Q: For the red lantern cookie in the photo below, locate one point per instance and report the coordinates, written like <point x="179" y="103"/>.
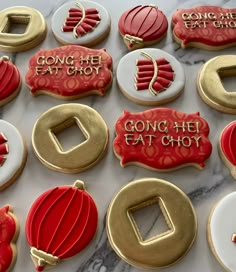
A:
<point x="81" y="22"/>
<point x="162" y="139"/>
<point x="10" y="80"/>
<point x="207" y="27"/>
<point x="227" y="147"/>
<point x="72" y="216"/>
<point x="70" y="72"/>
<point x="142" y="25"/>
<point x="8" y="234"/>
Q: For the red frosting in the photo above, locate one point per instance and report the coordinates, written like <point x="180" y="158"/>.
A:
<point x="145" y="22"/>
<point x="162" y="138"/>
<point x="9" y="79"/>
<point x="228" y="142"/>
<point x="3" y="148"/>
<point x="7" y="233"/>
<point x="70" y="71"/>
<point x="72" y="216"/>
<point x="208" y="25"/>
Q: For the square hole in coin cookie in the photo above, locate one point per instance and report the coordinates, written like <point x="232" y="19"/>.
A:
<point x="228" y="78"/>
<point x="69" y="134"/>
<point x="16" y="24"/>
<point x="150" y="219"/>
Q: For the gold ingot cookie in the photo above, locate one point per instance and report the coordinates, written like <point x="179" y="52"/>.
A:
<point x="48" y="148"/>
<point x="161" y="250"/>
<point x="35" y="30"/>
<point x="210" y="86"/>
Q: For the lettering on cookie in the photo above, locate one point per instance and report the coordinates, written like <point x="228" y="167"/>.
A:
<point x="162" y="139"/>
<point x="3" y="149"/>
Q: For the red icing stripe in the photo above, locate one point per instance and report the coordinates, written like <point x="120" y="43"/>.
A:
<point x="228" y="142"/>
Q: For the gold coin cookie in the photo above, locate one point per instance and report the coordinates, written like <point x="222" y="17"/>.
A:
<point x="36" y="29"/>
<point x="163" y="249"/>
<point x="78" y="158"/>
<point x="210" y="86"/>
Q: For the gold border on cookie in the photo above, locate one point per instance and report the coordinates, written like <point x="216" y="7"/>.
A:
<point x="80" y="157"/>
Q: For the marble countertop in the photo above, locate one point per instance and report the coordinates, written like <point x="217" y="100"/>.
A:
<point x="204" y="187"/>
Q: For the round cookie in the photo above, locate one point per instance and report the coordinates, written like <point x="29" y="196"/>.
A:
<point x="83" y="22"/>
<point x="12" y="154"/>
<point x="124" y="235"/>
<point x="48" y="148"/>
<point x="72" y="216"/>
<point x="35" y="32"/>
<point x="150" y="77"/>
<point x="9" y="230"/>
<point x="210" y="87"/>
<point x="142" y="25"/>
<point x="10" y="80"/>
<point x="221" y="232"/>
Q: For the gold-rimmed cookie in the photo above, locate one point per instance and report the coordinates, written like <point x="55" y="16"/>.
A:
<point x="48" y="148"/>
<point x="36" y="28"/>
<point x="163" y="249"/>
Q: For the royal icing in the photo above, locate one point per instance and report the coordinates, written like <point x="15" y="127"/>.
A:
<point x="227" y="147"/>
<point x="142" y="24"/>
<point x="150" y="76"/>
<point x="8" y="230"/>
<point x="81" y="22"/>
<point x="162" y="139"/>
<point x="9" y="80"/>
<point x="13" y="155"/>
<point x="69" y="72"/>
<point x="210" y="86"/>
<point x="221" y="232"/>
<point x="72" y="216"/>
<point x="210" y="27"/>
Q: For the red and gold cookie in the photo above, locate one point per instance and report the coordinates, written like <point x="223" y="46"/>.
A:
<point x="142" y="25"/>
<point x="86" y="154"/>
<point x="227" y="147"/>
<point x="207" y="27"/>
<point x="70" y="72"/>
<point x="81" y="22"/>
<point x="9" y="230"/>
<point x="163" y="249"/>
<point x="72" y="216"/>
<point x="10" y="80"/>
<point x="162" y="139"/>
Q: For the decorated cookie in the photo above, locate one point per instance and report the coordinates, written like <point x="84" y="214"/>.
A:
<point x="50" y="152"/>
<point x="221" y="232"/>
<point x="10" y="80"/>
<point x="227" y="147"/>
<point x="12" y="154"/>
<point x="70" y="72"/>
<point x="36" y="29"/>
<point x="210" y="86"/>
<point x="72" y="216"/>
<point x="142" y="25"/>
<point x="81" y="22"/>
<point x="150" y="77"/>
<point x="162" y="139"/>
<point x="125" y="237"/>
<point x="9" y="229"/>
<point x="207" y="27"/>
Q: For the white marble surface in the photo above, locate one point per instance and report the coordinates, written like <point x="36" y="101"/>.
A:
<point x="204" y="187"/>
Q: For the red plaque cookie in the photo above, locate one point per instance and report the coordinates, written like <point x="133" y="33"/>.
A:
<point x="72" y="216"/>
<point x="162" y="139"/>
<point x="207" y="27"/>
<point x="10" y="81"/>
<point x="142" y="25"/>
<point x="70" y="72"/>
<point x="8" y="233"/>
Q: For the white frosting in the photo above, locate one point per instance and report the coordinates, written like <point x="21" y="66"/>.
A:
<point x="222" y="226"/>
<point x="126" y="73"/>
<point x="15" y="157"/>
<point x="60" y="15"/>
